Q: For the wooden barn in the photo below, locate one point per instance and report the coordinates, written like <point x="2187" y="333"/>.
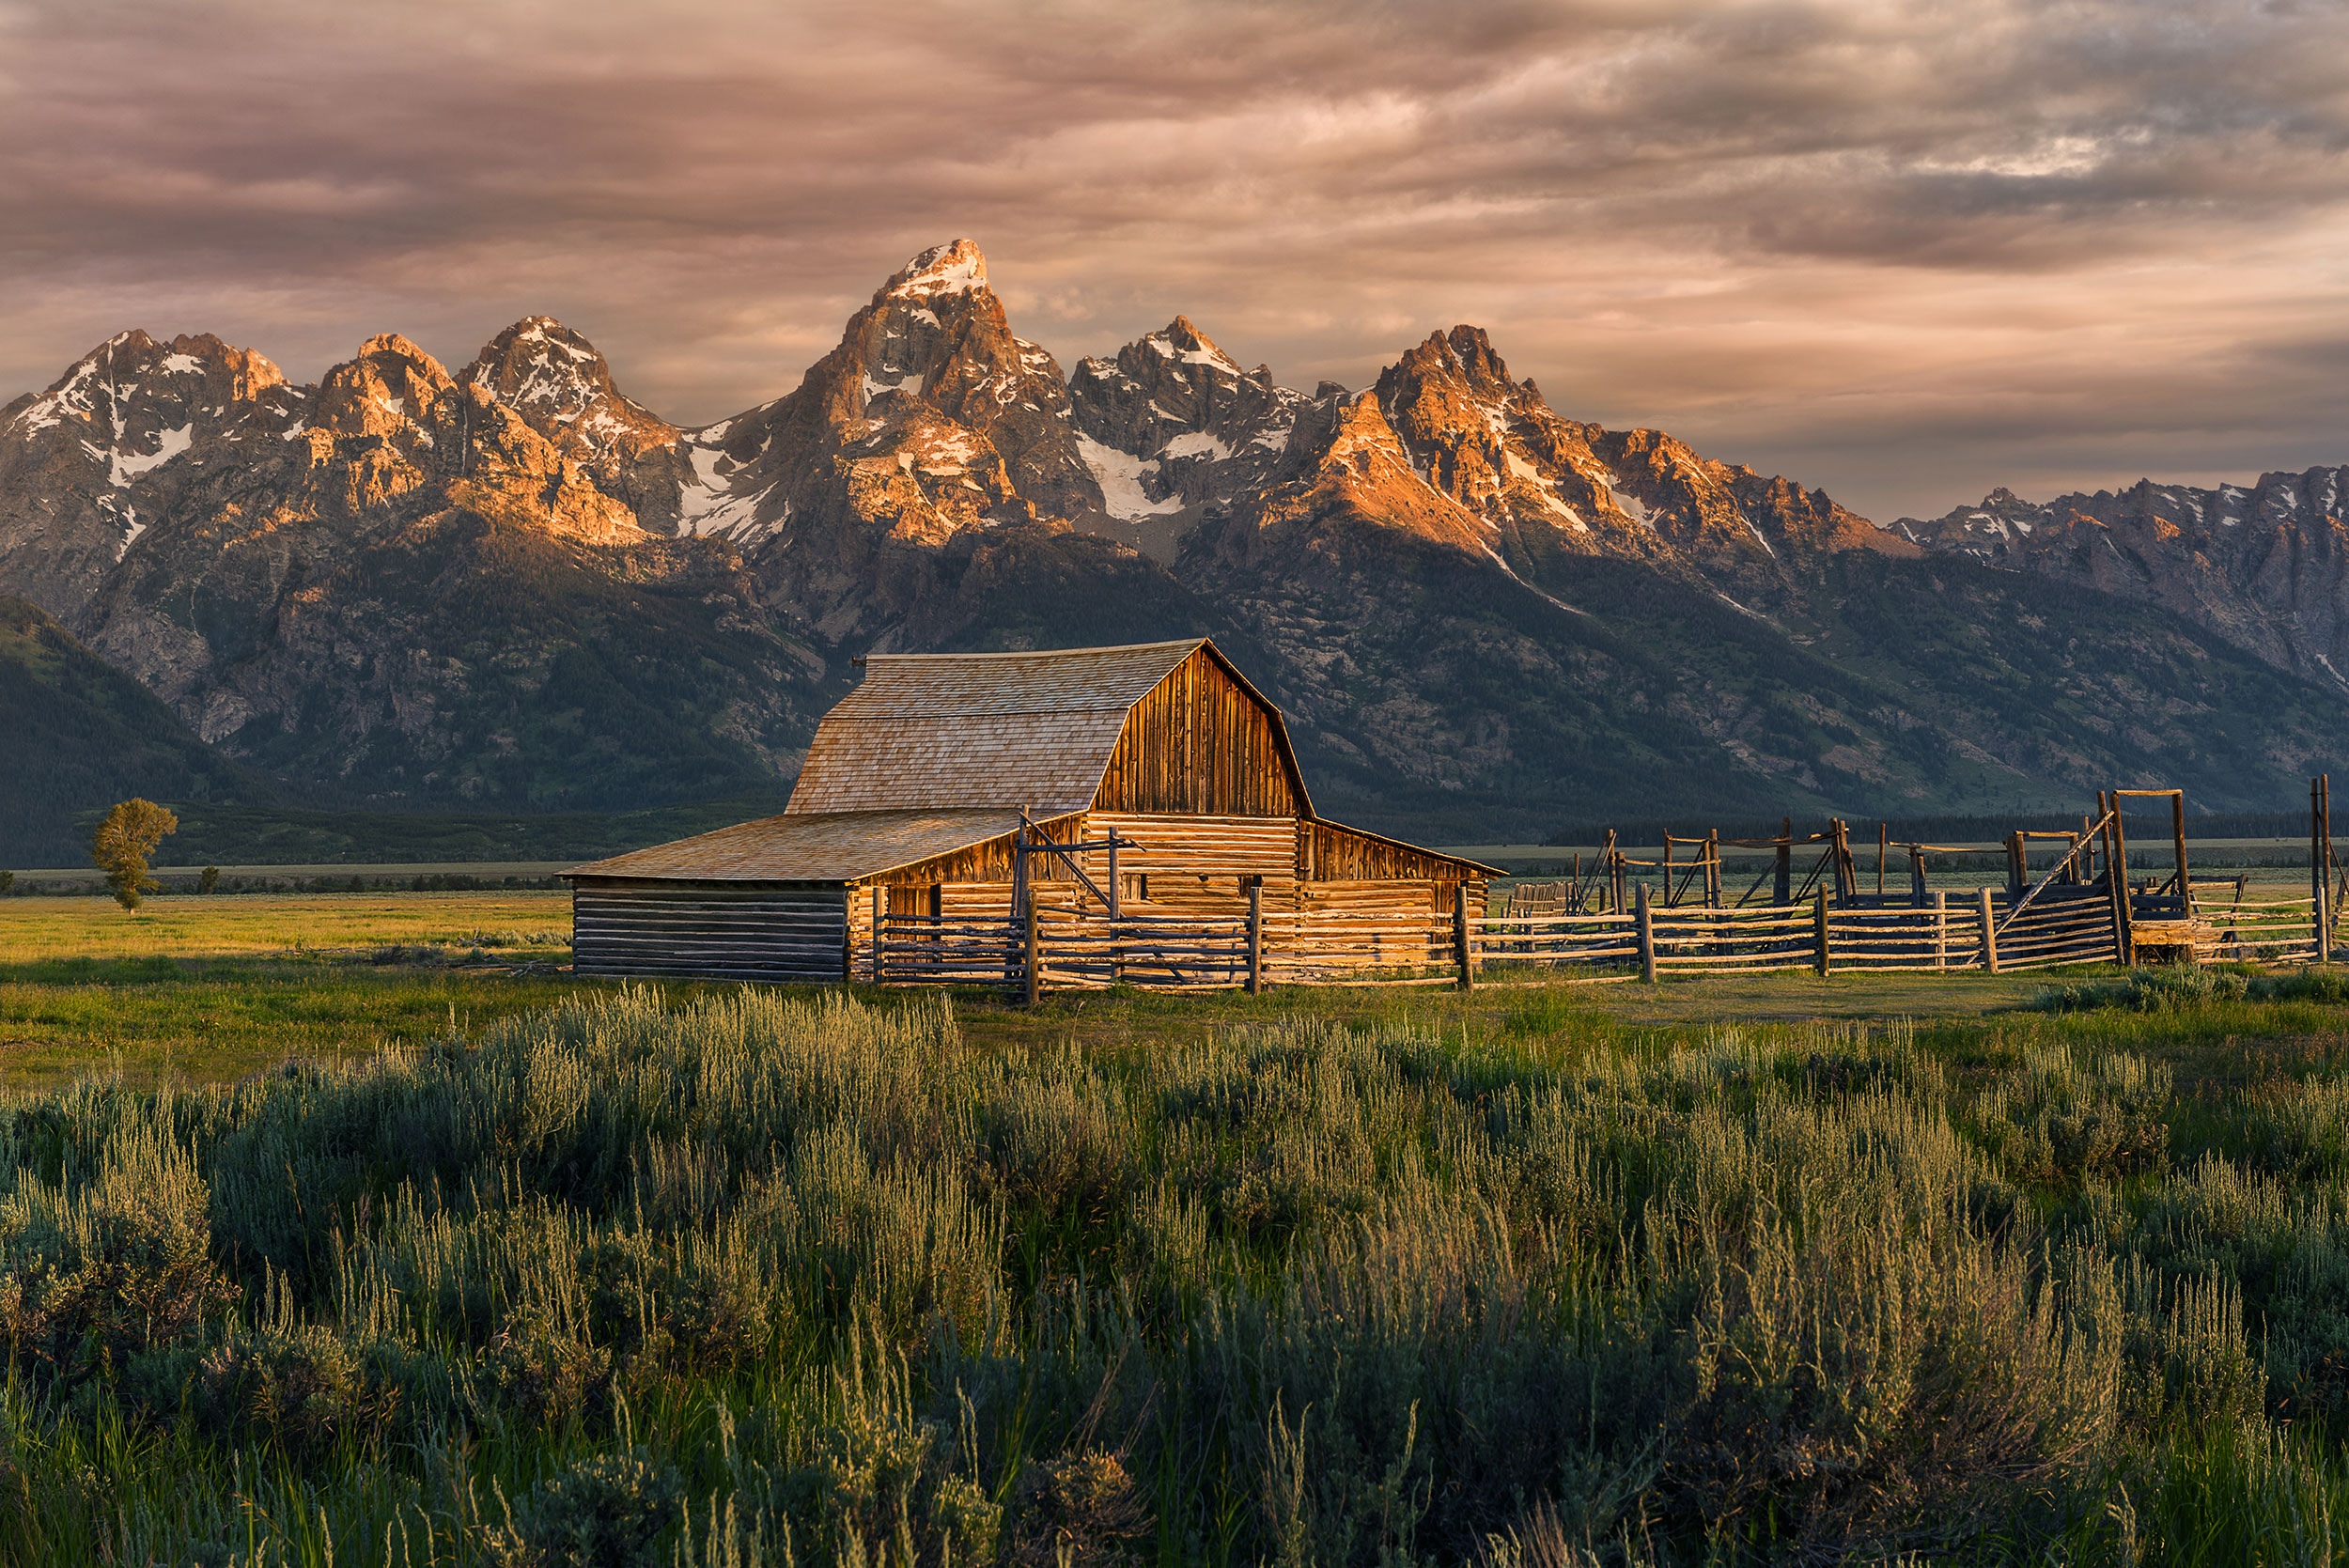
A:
<point x="922" y="785"/>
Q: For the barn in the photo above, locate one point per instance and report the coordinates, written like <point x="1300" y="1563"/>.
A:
<point x="922" y="785"/>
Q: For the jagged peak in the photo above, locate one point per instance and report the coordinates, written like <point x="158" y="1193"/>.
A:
<point x="1464" y="352"/>
<point x="1184" y="343"/>
<point x="177" y="355"/>
<point x="1470" y="343"/>
<point x="540" y="329"/>
<point x="395" y="346"/>
<point x="131" y="359"/>
<point x="133" y="338"/>
<point x="953" y="268"/>
<point x="522" y="362"/>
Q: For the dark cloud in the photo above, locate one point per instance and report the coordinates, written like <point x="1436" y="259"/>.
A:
<point x="1902" y="251"/>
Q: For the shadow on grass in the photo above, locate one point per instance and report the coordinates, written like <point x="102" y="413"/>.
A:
<point x="150" y="971"/>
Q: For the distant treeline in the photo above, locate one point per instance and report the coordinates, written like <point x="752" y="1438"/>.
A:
<point x="269" y="835"/>
<point x="168" y="886"/>
<point x="2148" y="826"/>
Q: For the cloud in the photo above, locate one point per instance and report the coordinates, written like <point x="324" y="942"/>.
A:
<point x="1904" y="251"/>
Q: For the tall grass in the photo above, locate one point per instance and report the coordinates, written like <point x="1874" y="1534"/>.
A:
<point x="761" y="1279"/>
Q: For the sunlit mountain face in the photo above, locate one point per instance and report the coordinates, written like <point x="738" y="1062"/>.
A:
<point x="515" y="584"/>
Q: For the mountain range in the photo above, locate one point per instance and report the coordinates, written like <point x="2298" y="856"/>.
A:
<point x="509" y="586"/>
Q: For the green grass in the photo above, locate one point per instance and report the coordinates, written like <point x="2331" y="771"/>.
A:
<point x="282" y="924"/>
<point x="715" y="1273"/>
<point x="212" y="989"/>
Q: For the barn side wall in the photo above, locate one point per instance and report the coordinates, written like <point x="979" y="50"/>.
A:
<point x="1185" y="863"/>
<point x="786" y="931"/>
<point x="1200" y="864"/>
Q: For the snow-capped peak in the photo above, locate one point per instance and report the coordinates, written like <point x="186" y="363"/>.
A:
<point x="955" y="267"/>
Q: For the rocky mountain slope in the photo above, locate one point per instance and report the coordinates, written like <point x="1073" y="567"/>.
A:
<point x="513" y="586"/>
<point x="83" y="735"/>
<point x="2263" y="565"/>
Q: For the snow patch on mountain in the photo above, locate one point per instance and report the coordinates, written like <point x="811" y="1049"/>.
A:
<point x="168" y="445"/>
<point x="1197" y="443"/>
<point x="909" y="384"/>
<point x="1119" y="474"/>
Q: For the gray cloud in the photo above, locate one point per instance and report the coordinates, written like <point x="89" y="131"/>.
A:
<point x="1903" y="251"/>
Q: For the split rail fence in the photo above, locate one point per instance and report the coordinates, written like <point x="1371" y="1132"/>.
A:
<point x="1068" y="949"/>
<point x="1610" y="927"/>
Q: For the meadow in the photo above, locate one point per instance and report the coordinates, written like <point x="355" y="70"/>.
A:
<point x="488" y="1265"/>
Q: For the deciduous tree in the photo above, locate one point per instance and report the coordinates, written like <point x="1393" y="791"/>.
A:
<point x="122" y="843"/>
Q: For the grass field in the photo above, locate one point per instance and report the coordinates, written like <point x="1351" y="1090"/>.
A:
<point x="37" y="930"/>
<point x="379" y="1238"/>
<point x="212" y="989"/>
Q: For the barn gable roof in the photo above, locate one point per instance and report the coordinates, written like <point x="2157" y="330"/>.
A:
<point x="839" y="847"/>
<point x="970" y="729"/>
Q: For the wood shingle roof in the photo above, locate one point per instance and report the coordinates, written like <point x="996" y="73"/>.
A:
<point x="841" y="846"/>
<point x="1033" y="730"/>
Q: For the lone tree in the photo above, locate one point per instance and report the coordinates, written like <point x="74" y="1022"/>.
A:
<point x="123" y="842"/>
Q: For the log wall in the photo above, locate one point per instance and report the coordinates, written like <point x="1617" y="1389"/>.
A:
<point x="786" y="931"/>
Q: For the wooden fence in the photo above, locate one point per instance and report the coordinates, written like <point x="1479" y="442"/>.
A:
<point x="1076" y="949"/>
<point x="2262" y="930"/>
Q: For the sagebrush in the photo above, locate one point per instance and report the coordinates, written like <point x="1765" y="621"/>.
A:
<point x="766" y="1279"/>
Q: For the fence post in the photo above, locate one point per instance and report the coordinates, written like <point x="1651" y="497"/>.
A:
<point x="1255" y="938"/>
<point x="1820" y="960"/>
<point x="1783" y="887"/>
<point x="2121" y="875"/>
<point x="1989" y="934"/>
<point x="1461" y="937"/>
<point x="878" y="907"/>
<point x="1941" y="930"/>
<point x="2324" y="833"/>
<point x="1647" y="937"/>
<point x="1035" y="950"/>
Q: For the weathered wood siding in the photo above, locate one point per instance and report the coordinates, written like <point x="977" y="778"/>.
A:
<point x="1200" y="742"/>
<point x="1328" y="853"/>
<point x="1198" y="863"/>
<point x="1376" y="897"/>
<point x="708" y="930"/>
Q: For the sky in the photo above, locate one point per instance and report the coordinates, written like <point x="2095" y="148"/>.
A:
<point x="1901" y="252"/>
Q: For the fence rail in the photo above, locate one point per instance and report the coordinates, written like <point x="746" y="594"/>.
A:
<point x="1067" y="947"/>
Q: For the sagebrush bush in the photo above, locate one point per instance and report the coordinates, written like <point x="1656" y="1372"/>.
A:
<point x="764" y="1278"/>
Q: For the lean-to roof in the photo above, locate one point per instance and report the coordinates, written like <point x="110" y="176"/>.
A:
<point x="998" y="729"/>
<point x="839" y="847"/>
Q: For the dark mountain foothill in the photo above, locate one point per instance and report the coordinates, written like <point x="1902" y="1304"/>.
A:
<point x="514" y="589"/>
